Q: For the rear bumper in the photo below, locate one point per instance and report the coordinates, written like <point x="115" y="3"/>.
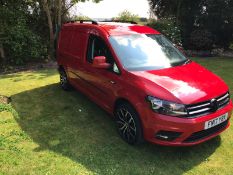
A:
<point x="185" y="132"/>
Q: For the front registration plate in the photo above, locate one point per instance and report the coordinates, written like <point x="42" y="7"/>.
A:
<point x="216" y="121"/>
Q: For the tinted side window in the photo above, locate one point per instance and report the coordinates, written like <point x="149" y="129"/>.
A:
<point x="97" y="47"/>
<point x="90" y="47"/>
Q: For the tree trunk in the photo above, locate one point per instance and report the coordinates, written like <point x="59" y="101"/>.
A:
<point x="50" y="24"/>
<point x="178" y="11"/>
<point x="59" y="13"/>
<point x="2" y="55"/>
<point x="66" y="9"/>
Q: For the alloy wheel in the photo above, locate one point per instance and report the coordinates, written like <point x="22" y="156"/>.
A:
<point x="126" y="125"/>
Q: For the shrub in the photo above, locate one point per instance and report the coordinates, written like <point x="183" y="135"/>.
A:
<point x="127" y="16"/>
<point x="168" y="28"/>
<point x="81" y="17"/>
<point x="22" y="45"/>
<point x="201" y="40"/>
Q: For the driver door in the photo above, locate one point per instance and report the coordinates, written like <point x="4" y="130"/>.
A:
<point x="103" y="83"/>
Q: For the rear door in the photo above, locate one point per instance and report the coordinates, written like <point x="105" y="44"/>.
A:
<point x="76" y="56"/>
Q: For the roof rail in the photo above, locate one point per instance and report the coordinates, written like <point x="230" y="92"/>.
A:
<point x="96" y="23"/>
<point x="82" y="21"/>
<point x="131" y="22"/>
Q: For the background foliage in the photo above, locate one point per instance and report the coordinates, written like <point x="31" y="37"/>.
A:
<point x="22" y="40"/>
<point x="209" y="21"/>
<point x="127" y="16"/>
<point x="28" y="27"/>
<point x="22" y="44"/>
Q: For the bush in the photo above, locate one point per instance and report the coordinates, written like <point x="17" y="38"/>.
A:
<point x="231" y="46"/>
<point x="168" y="28"/>
<point x="201" y="40"/>
<point x="127" y="16"/>
<point x="22" y="45"/>
<point x="81" y="17"/>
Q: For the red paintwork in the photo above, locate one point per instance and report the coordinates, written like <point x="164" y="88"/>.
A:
<point x="186" y="84"/>
<point x="124" y="29"/>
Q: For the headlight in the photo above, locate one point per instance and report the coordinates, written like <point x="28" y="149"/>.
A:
<point x="166" y="107"/>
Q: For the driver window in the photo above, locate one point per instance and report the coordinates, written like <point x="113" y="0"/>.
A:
<point x="97" y="47"/>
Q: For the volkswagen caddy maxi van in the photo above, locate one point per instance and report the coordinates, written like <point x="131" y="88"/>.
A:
<point x="133" y="72"/>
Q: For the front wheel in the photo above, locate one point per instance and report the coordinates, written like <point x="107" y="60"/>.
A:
<point x="128" y="124"/>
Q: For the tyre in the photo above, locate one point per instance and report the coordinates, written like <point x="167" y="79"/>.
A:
<point x="128" y="124"/>
<point x="64" y="81"/>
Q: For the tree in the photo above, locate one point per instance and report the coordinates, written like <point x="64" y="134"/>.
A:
<point x="2" y="52"/>
<point x="217" y="18"/>
<point x="166" y="8"/>
<point x="23" y="25"/>
<point x="214" y="17"/>
<point x="50" y="24"/>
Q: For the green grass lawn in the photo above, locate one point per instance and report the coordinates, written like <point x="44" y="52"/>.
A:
<point x="49" y="131"/>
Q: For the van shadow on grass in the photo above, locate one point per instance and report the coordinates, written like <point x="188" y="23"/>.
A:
<point x="70" y="124"/>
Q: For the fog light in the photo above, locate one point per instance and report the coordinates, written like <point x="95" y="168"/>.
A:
<point x="167" y="135"/>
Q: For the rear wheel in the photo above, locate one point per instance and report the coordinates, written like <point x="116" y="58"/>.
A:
<point x="64" y="81"/>
<point x="128" y="124"/>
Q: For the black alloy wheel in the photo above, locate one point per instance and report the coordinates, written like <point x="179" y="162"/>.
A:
<point x="128" y="124"/>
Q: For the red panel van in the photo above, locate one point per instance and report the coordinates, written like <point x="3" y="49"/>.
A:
<point x="133" y="72"/>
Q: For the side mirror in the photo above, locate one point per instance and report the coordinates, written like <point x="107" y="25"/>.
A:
<point x="100" y="62"/>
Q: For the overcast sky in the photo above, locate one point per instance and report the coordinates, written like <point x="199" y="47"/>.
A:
<point x="111" y="8"/>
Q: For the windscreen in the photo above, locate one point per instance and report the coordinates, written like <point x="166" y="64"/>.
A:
<point x="139" y="52"/>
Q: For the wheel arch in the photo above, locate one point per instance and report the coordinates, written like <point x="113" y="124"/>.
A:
<point x="122" y="100"/>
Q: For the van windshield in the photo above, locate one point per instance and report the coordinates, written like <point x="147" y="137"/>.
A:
<point x="140" y="52"/>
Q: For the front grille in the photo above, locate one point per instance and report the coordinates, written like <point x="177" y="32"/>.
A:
<point x="206" y="133"/>
<point x="207" y="107"/>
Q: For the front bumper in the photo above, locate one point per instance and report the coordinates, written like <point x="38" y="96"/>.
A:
<point x="186" y="132"/>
